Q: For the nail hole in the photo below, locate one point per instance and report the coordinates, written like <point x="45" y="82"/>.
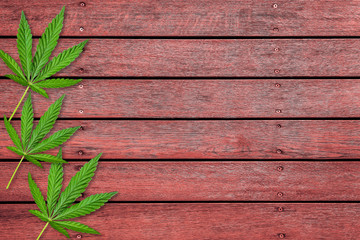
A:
<point x="278" y="125"/>
<point x="276" y="71"/>
<point x="276" y="29"/>
<point x="280" y="209"/>
<point x="280" y="194"/>
<point x="278" y="111"/>
<point x="280" y="168"/>
<point x="81" y="111"/>
<point x="81" y="86"/>
<point x="276" y="49"/>
<point x="82" y="4"/>
<point x="81" y="29"/>
<point x="281" y="235"/>
<point x="78" y="236"/>
<point x="77" y="168"/>
<point x="279" y="151"/>
<point x="81" y="70"/>
<point x="277" y="85"/>
<point x="274" y="5"/>
<point x="80" y="152"/>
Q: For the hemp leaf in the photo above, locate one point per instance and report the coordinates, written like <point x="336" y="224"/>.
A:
<point x="62" y="208"/>
<point x="32" y="142"/>
<point x="35" y="73"/>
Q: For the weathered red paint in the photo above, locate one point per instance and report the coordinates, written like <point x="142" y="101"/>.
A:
<point x="193" y="221"/>
<point x="203" y="180"/>
<point x="209" y="57"/>
<point x="204" y="98"/>
<point x="207" y="139"/>
<point x="188" y="18"/>
<point x="159" y="143"/>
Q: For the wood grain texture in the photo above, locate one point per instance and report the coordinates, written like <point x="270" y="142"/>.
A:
<point x="229" y="98"/>
<point x="166" y="53"/>
<point x="202" y="181"/>
<point x="193" y="221"/>
<point x="209" y="57"/>
<point x="218" y="139"/>
<point x="188" y="18"/>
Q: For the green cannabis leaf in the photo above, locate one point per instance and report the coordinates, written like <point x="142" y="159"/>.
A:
<point x="62" y="208"/>
<point x="32" y="142"/>
<point x="35" y="72"/>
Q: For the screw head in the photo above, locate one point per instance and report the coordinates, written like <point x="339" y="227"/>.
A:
<point x="81" y="111"/>
<point x="281" y="235"/>
<point x="278" y="111"/>
<point x="80" y="152"/>
<point x="81" y="29"/>
<point x="277" y="71"/>
<point x="78" y="236"/>
<point x="81" y="86"/>
<point x="280" y="194"/>
<point x="280" y="209"/>
<point x="277" y="85"/>
<point x="279" y="151"/>
<point x="82" y="4"/>
<point x="275" y="5"/>
<point x="280" y="168"/>
<point x="276" y="49"/>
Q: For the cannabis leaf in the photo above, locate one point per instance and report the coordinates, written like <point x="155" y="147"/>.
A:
<point x="32" y="142"/>
<point x="35" y="70"/>
<point x="62" y="208"/>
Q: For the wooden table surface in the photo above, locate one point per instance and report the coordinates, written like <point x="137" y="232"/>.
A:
<point x="231" y="119"/>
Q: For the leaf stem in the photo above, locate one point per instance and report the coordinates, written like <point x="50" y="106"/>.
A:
<point x="42" y="231"/>
<point x="22" y="98"/>
<point x="7" y="187"/>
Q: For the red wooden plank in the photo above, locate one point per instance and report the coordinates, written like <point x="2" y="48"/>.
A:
<point x="218" y="139"/>
<point x="202" y="181"/>
<point x="193" y="221"/>
<point x="209" y="57"/>
<point x="197" y="98"/>
<point x="188" y="18"/>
